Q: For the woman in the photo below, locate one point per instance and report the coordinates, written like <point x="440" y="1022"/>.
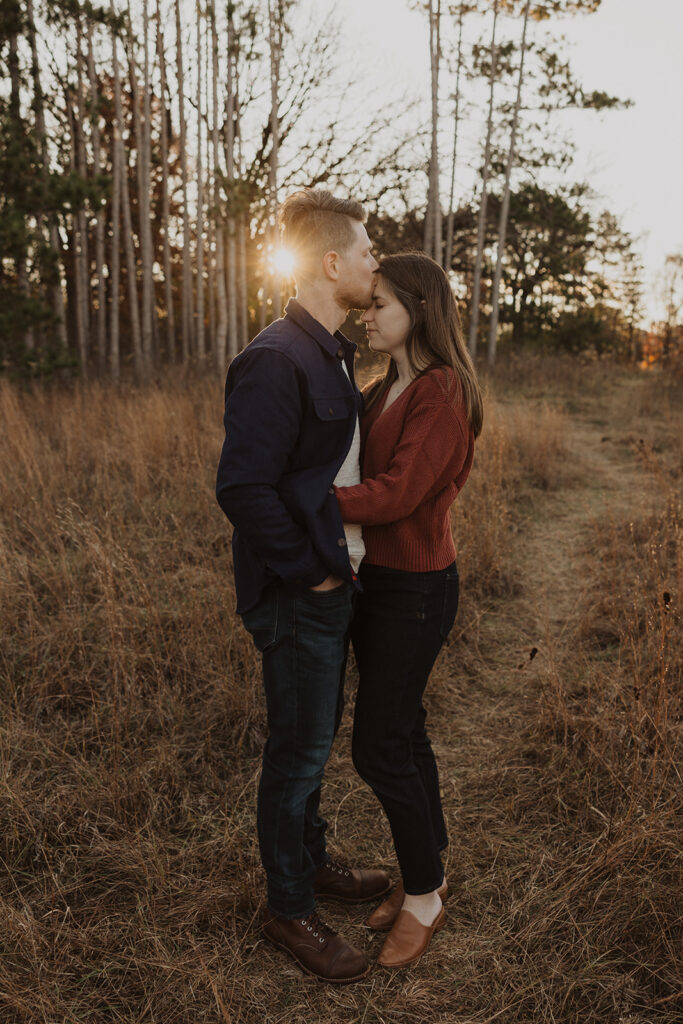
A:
<point x="418" y="433"/>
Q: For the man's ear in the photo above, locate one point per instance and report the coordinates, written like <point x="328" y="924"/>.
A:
<point x="331" y="265"/>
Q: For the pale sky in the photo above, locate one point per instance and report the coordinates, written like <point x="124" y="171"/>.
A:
<point x="629" y="48"/>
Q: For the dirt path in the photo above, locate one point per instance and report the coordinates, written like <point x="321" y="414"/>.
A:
<point x="524" y="637"/>
<point x="604" y="477"/>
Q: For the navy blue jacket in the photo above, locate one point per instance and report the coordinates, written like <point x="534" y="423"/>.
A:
<point x="290" y="414"/>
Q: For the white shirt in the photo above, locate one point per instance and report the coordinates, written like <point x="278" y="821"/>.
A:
<point x="348" y="475"/>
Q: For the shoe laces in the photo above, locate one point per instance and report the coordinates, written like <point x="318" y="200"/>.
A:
<point x="338" y="867"/>
<point x="318" y="928"/>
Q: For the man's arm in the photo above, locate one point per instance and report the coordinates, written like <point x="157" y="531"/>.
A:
<point x="263" y="412"/>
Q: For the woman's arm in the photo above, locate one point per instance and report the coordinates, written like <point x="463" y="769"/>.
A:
<point x="432" y="450"/>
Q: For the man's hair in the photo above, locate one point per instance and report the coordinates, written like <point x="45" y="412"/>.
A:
<point x="314" y="222"/>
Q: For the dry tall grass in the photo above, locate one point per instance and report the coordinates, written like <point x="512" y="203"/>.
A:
<point x="132" y="724"/>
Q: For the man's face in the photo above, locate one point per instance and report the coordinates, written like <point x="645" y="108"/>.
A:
<point x="356" y="271"/>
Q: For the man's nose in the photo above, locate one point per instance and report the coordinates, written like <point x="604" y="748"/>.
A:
<point x="365" y="316"/>
<point x="375" y="264"/>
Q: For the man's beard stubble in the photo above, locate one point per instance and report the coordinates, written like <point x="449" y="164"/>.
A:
<point x="355" y="299"/>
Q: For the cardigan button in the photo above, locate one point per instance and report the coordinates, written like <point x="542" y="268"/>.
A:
<point x="331" y="411"/>
<point x="341" y="543"/>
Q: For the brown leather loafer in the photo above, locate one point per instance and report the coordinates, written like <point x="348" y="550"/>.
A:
<point x="408" y="939"/>
<point x="317" y="949"/>
<point x="351" y="885"/>
<point x="383" y="917"/>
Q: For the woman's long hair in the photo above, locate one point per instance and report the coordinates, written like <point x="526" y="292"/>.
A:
<point x="435" y="336"/>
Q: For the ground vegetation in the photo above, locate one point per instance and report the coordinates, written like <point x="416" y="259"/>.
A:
<point x="131" y="720"/>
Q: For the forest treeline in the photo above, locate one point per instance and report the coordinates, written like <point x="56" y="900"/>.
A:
<point x="145" y="146"/>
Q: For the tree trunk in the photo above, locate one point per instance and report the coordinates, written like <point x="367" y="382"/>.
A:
<point x="428" y="240"/>
<point x="505" y="205"/>
<point x="143" y="370"/>
<point x="481" y="228"/>
<point x="15" y="78"/>
<point x="245" y="235"/>
<point x="115" y="258"/>
<point x="433" y="229"/>
<point x="165" y="115"/>
<point x="519" y="318"/>
<point x="448" y="253"/>
<point x="58" y="289"/>
<point x="243" y="228"/>
<point x="77" y="242"/>
<point x="100" y="217"/>
<point x="131" y="269"/>
<point x="55" y="286"/>
<point x="211" y="256"/>
<point x="275" y="23"/>
<point x="201" y="348"/>
<point x="143" y="146"/>
<point x="21" y="255"/>
<point x="233" y="345"/>
<point x="221" y="301"/>
<point x="210" y="217"/>
<point x="148" y="296"/>
<point x="187" y="304"/>
<point x="129" y="241"/>
<point x="438" y="226"/>
<point x="82" y="254"/>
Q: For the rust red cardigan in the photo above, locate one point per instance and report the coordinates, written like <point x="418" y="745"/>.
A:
<point x="416" y="457"/>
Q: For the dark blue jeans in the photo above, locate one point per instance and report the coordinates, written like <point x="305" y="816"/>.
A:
<point x="401" y="620"/>
<point x="303" y="638"/>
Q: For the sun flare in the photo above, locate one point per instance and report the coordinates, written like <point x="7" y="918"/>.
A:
<point x="283" y="262"/>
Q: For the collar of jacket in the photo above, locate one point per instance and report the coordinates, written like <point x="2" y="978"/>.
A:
<point x="330" y="342"/>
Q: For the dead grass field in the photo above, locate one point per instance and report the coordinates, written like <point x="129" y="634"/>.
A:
<point x="131" y="722"/>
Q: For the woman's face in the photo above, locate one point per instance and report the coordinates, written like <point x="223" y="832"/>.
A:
<point x="387" y="321"/>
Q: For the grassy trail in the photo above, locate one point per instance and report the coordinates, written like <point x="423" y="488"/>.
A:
<point x="601" y="478"/>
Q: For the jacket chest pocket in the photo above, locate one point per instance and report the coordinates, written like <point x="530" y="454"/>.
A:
<point x="333" y="409"/>
<point x="325" y="433"/>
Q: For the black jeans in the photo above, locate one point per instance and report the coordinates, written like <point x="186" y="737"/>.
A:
<point x="400" y="623"/>
<point x="303" y="638"/>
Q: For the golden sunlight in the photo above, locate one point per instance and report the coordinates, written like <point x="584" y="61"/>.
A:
<point x="283" y="262"/>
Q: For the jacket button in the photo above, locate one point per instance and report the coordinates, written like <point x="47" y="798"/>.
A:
<point x="331" y="490"/>
<point x="331" y="411"/>
<point x="340" y="353"/>
<point x="341" y="543"/>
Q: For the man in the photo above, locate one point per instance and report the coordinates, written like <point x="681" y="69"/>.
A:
<point x="291" y="426"/>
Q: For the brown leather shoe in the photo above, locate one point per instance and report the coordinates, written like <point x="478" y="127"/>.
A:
<point x="317" y="949"/>
<point x="408" y="939"/>
<point x="351" y="885"/>
<point x="383" y="917"/>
